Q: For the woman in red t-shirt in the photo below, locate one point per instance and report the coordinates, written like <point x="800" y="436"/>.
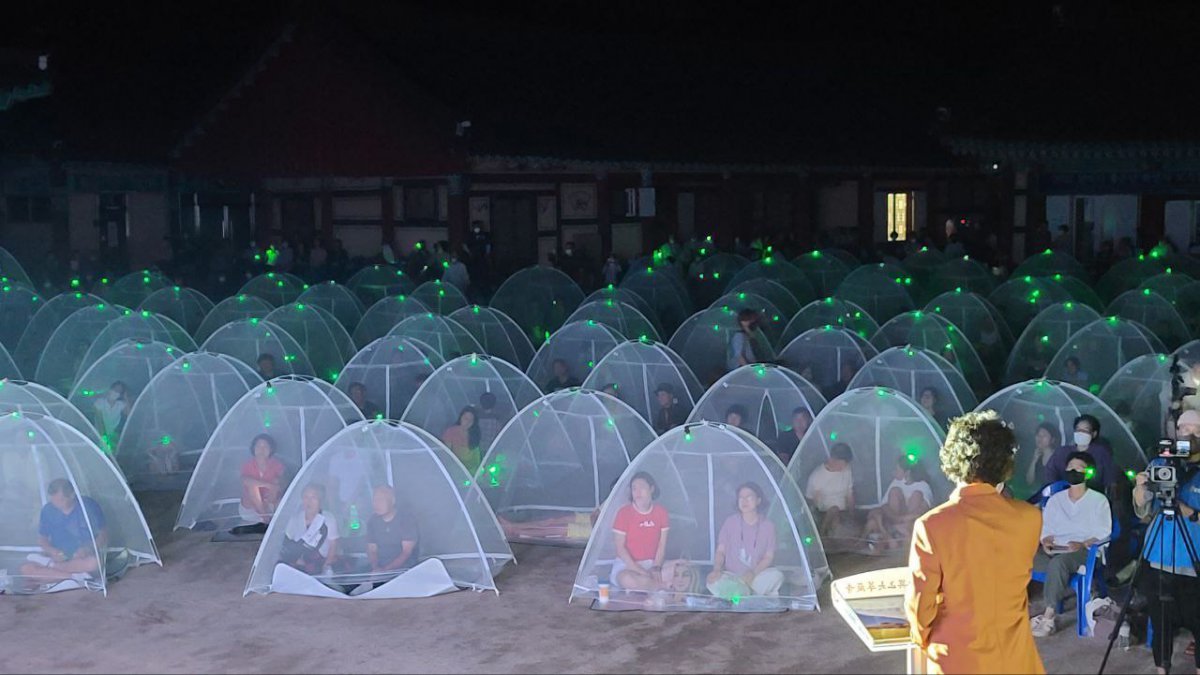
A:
<point x="262" y="482"/>
<point x="640" y="534"/>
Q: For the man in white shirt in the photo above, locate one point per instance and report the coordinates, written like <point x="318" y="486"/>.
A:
<point x="830" y="489"/>
<point x="1072" y="520"/>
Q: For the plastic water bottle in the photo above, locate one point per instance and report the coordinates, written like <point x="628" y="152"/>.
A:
<point x="1123" y="636"/>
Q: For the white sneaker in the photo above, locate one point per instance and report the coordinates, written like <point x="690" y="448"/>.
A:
<point x="1043" y="626"/>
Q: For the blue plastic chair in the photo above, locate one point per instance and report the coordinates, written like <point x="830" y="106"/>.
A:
<point x="1093" y="569"/>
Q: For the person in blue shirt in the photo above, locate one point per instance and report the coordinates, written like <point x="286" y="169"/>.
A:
<point x="1167" y="552"/>
<point x="71" y="531"/>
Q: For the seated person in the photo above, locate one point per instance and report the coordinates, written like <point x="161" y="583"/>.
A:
<point x="463" y="439"/>
<point x="1046" y="440"/>
<point x="735" y="416"/>
<point x="266" y="366"/>
<point x="562" y="377"/>
<point x="745" y="550"/>
<point x="1072" y="520"/>
<point x="785" y="446"/>
<point x="163" y="454"/>
<point x="667" y="414"/>
<point x="929" y="400"/>
<point x="391" y="538"/>
<point x="488" y="420"/>
<point x="907" y="498"/>
<point x="640" y="537"/>
<point x="358" y="394"/>
<point x="1074" y="374"/>
<point x="1086" y="439"/>
<point x="262" y="486"/>
<point x="111" y="410"/>
<point x="310" y="541"/>
<point x="71" y="530"/>
<point x="830" y="488"/>
<point x="611" y="390"/>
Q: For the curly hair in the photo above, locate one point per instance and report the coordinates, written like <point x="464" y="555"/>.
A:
<point x="979" y="448"/>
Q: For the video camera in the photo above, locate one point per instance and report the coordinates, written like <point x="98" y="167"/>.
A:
<point x="1163" y="479"/>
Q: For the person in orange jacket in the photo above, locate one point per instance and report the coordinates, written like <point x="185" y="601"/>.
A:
<point x="971" y="559"/>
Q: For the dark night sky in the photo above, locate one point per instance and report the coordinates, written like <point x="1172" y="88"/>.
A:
<point x="761" y="79"/>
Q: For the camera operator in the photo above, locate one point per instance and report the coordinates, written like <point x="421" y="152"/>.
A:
<point x="1169" y="559"/>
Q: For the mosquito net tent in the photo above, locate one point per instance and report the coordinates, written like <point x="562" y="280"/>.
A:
<point x="322" y="339"/>
<point x="1171" y="285"/>
<point x="962" y="273"/>
<point x="440" y="298"/>
<point x="8" y="367"/>
<point x="709" y="276"/>
<point x="1140" y="394"/>
<point x="621" y="317"/>
<point x="465" y="403"/>
<point x="1153" y="312"/>
<point x="1128" y="274"/>
<point x="927" y="378"/>
<point x="385" y="315"/>
<point x="232" y="309"/>
<point x="628" y="297"/>
<point x="923" y="264"/>
<point x="1043" y="337"/>
<point x="552" y="466"/>
<point x="288" y="418"/>
<point x="18" y="305"/>
<point x="1078" y="290"/>
<point x="277" y="288"/>
<point x="12" y="269"/>
<point x="261" y="345"/>
<point x="1021" y="298"/>
<point x="131" y="289"/>
<point x="382" y="510"/>
<point x="106" y="390"/>
<point x="778" y="270"/>
<point x="982" y="325"/>
<point x="828" y="357"/>
<point x="566" y="358"/>
<point x="825" y="272"/>
<point x="663" y="291"/>
<point x="539" y="299"/>
<point x="881" y="295"/>
<point x="717" y="501"/>
<point x="64" y="352"/>
<point x="447" y="337"/>
<point x="1188" y="305"/>
<point x="771" y="402"/>
<point x="185" y="306"/>
<point x="1090" y="357"/>
<point x="649" y="377"/>
<point x="43" y="324"/>
<point x="376" y="282"/>
<point x="1050" y="262"/>
<point x="389" y="371"/>
<point x="887" y="443"/>
<point x="171" y="421"/>
<point x="1042" y="414"/>
<point x="932" y="331"/>
<point x="1189" y="353"/>
<point x="57" y="486"/>
<point x="21" y="396"/>
<point x="142" y="326"/>
<point x="338" y="300"/>
<point x="704" y="340"/>
<point x="830" y="312"/>
<point x="497" y="334"/>
<point x="771" y="319"/>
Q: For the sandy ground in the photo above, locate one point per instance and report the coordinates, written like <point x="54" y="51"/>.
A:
<point x="190" y="616"/>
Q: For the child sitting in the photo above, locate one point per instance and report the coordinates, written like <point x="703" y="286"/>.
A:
<point x="830" y="488"/>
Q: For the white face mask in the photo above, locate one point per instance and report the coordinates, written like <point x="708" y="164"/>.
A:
<point x="1082" y="439"/>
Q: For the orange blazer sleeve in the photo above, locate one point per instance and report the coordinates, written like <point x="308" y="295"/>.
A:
<point x="921" y="603"/>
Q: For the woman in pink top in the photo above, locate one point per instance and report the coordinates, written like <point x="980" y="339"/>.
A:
<point x="745" y="550"/>
<point x="262" y="485"/>
<point x="463" y="439"/>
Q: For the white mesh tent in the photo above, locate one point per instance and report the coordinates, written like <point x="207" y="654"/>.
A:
<point x="232" y="309"/>
<point x="965" y="273"/>
<point x="298" y="414"/>
<point x="385" y="315"/>
<point x="458" y="543"/>
<point x="982" y="325"/>
<point x="41" y="327"/>
<point x="1188" y="305"/>
<point x="637" y="370"/>
<point x="185" y="306"/>
<point x="621" y="317"/>
<point x="825" y="272"/>
<point x="1140" y="394"/>
<point x="338" y="300"/>
<point x="663" y="290"/>
<point x="767" y="398"/>
<point x="247" y="340"/>
<point x="553" y="464"/>
<point x="376" y="282"/>
<point x="322" y="339"/>
<point x="47" y="465"/>
<point x="830" y="311"/>
<point x="12" y="270"/>
<point x="772" y="290"/>
<point x="539" y="299"/>
<point x="883" y="429"/>
<point x="775" y="268"/>
<point x="922" y="264"/>
<point x="1130" y="273"/>
<point x="1171" y="285"/>
<point x="698" y="473"/>
<point x="131" y="364"/>
<point x="496" y="333"/>
<point x="1078" y="290"/>
<point x="8" y="367"/>
<point x="703" y="343"/>
<point x="21" y="396"/>
<point x="1043" y="337"/>
<point x="1188" y="353"/>
<point x="493" y="389"/>
<point x="709" y="274"/>
<point x="18" y="305"/>
<point x="771" y="319"/>
<point x="915" y="371"/>
<point x="1050" y="262"/>
<point x="64" y="352"/>
<point x="1020" y="299"/>
<point x="171" y="421"/>
<point x="1026" y="405"/>
<point x="1153" y="312"/>
<point x="141" y="326"/>
<point x="277" y="288"/>
<point x="1090" y="357"/>
<point x="390" y="369"/>
<point x="828" y="357"/>
<point x="440" y="298"/>
<point x="845" y="256"/>
<point x="932" y="331"/>
<point x="447" y="337"/>
<point x="880" y="294"/>
<point x="579" y="346"/>
<point x="131" y="289"/>
<point x="625" y="296"/>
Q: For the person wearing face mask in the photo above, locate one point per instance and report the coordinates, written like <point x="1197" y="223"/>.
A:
<point x="1072" y="520"/>
<point x="1085" y="438"/>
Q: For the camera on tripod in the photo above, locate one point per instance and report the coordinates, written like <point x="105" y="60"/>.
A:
<point x="1164" y="478"/>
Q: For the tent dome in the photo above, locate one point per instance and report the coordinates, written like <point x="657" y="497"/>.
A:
<point x="496" y="333"/>
<point x="232" y="309"/>
<point x="915" y="371"/>
<point x="391" y="369"/>
<point x="828" y="357"/>
<point x="539" y="299"/>
<point x="249" y="339"/>
<point x="579" y="345"/>
<point x="635" y="371"/>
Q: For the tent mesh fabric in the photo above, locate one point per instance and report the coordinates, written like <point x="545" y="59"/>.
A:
<point x="982" y="325"/>
<point x="336" y="299"/>
<point x="106" y="390"/>
<point x="1043" y="337"/>
<point x="1155" y="313"/>
<point x="621" y="317"/>
<point x="247" y="340"/>
<point x="828" y="357"/>
<point x="934" y="332"/>
<point x="18" y="305"/>
<point x="142" y="326"/>
<point x="881" y="295"/>
<point x="919" y="373"/>
<point x="232" y="309"/>
<point x="1140" y="394"/>
<point x="1050" y="262"/>
<point x="64" y="352"/>
<point x="11" y="268"/>
<point x="497" y="334"/>
<point x="1091" y="356"/>
<point x="277" y="288"/>
<point x="21" y="396"/>
<point x="391" y="369"/>
<point x="131" y="289"/>
<point x="709" y="275"/>
<point x="824" y="272"/>
<point x="376" y="282"/>
<point x="440" y="298"/>
<point x="703" y="342"/>
<point x="185" y="306"/>
<point x="780" y="271"/>
<point x="385" y="315"/>
<point x="447" y="337"/>
<point x="47" y="320"/>
<point x="539" y="299"/>
<point x="830" y="312"/>
<point x="771" y="319"/>
<point x="961" y="273"/>
<point x="662" y="289"/>
<point x="635" y="372"/>
<point x="321" y="337"/>
<point x="579" y="345"/>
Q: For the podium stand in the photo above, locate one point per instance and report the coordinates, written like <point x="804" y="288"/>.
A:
<point x="872" y="604"/>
